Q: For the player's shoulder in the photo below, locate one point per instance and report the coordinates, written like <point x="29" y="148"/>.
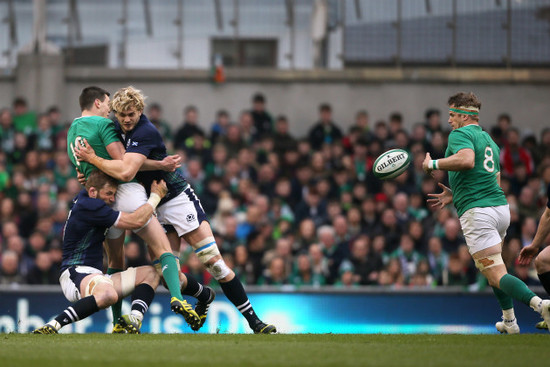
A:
<point x="145" y="128"/>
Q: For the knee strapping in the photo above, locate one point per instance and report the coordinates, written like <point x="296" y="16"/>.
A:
<point x="219" y="269"/>
<point x="488" y="262"/>
<point x="206" y="249"/>
<point x="94" y="282"/>
<point x="128" y="281"/>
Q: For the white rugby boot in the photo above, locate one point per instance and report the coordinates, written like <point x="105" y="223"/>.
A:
<point x="507" y="327"/>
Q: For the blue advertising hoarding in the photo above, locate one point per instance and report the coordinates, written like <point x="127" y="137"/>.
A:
<point x="293" y="312"/>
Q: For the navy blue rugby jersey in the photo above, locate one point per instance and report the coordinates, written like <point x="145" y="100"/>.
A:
<point x="145" y="139"/>
<point x="85" y="231"/>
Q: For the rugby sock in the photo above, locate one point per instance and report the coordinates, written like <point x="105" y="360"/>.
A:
<point x="78" y="311"/>
<point x="195" y="289"/>
<point x="505" y="301"/>
<point x="235" y="293"/>
<point x="170" y="273"/>
<point x="545" y="281"/>
<point x="116" y="309"/>
<point x="142" y="297"/>
<point x="509" y="317"/>
<point x="516" y="289"/>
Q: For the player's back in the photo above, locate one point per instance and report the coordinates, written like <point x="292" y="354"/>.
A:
<point x="98" y="131"/>
<point x="476" y="187"/>
<point x="84" y="231"/>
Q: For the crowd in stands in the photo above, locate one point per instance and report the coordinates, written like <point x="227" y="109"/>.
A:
<point x="286" y="210"/>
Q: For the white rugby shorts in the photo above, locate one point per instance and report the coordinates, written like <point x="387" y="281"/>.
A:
<point x="129" y="197"/>
<point x="71" y="278"/>
<point x="485" y="227"/>
<point x="184" y="212"/>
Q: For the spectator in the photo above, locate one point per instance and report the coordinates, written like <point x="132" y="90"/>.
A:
<point x="154" y="113"/>
<point x="24" y="120"/>
<point x="7" y="131"/>
<point x="514" y="154"/>
<point x="275" y="274"/>
<point x="43" y="271"/>
<point x="303" y="273"/>
<point x="219" y="126"/>
<point x="366" y="263"/>
<point x="283" y="139"/>
<point x="325" y="131"/>
<point x="263" y="122"/>
<point x="189" y="127"/>
<point x="9" y="273"/>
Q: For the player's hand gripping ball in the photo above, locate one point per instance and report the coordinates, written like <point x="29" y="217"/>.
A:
<point x="391" y="164"/>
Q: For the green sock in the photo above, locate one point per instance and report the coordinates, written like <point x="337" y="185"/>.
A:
<point x="116" y="309"/>
<point x="516" y="289"/>
<point x="171" y="274"/>
<point x="505" y="301"/>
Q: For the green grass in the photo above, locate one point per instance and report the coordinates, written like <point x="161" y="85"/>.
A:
<point x="186" y="350"/>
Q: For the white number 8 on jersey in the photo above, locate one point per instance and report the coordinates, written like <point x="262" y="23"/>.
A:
<point x="489" y="163"/>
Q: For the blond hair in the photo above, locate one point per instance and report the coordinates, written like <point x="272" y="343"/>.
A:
<point x="126" y="98"/>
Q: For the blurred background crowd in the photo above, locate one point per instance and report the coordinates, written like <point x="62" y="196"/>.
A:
<point x="286" y="210"/>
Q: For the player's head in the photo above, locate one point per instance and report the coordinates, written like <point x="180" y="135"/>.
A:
<point x="128" y="104"/>
<point x="463" y="109"/>
<point x="101" y="186"/>
<point x="96" y="100"/>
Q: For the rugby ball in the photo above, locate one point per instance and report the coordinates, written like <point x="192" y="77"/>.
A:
<point x="391" y="164"/>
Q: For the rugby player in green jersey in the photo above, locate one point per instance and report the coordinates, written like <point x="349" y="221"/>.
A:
<point x="472" y="160"/>
<point x="99" y="132"/>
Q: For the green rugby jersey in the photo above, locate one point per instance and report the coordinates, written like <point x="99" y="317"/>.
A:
<point x="98" y="131"/>
<point x="477" y="187"/>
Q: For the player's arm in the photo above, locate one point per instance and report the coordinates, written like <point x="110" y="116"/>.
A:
<point x="169" y="164"/>
<point x="115" y="149"/>
<point x="124" y="169"/>
<point x="528" y="252"/>
<point x="462" y="160"/>
<point x="140" y="217"/>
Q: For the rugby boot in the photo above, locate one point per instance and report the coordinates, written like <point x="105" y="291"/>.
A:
<point x="130" y="324"/>
<point x="263" y="328"/>
<point x="507" y="327"/>
<point x="183" y="308"/>
<point x="541" y="325"/>
<point x="118" y="329"/>
<point x="201" y="309"/>
<point x="545" y="312"/>
<point x="46" y="329"/>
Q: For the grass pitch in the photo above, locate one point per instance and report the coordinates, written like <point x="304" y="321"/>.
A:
<point x="181" y="350"/>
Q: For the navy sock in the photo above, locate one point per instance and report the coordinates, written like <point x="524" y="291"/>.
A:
<point x="235" y="293"/>
<point x="142" y="297"/>
<point x="195" y="289"/>
<point x="78" y="311"/>
<point x="545" y="280"/>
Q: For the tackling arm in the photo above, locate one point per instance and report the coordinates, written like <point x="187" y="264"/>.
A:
<point x="123" y="169"/>
<point x="543" y="230"/>
<point x="140" y="217"/>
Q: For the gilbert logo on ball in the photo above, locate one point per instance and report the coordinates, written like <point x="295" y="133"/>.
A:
<point x="391" y="164"/>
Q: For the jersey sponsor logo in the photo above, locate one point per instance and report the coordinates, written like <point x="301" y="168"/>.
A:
<point x="190" y="218"/>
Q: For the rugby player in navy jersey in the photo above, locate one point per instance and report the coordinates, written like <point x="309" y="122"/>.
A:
<point x="82" y="279"/>
<point x="180" y="211"/>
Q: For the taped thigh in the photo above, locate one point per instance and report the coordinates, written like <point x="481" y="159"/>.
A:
<point x="128" y="281"/>
<point x="89" y="290"/>
<point x="489" y="262"/>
